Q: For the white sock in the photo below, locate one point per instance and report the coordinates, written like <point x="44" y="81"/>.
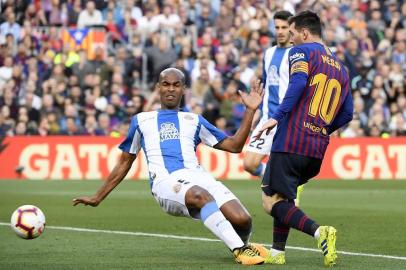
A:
<point x="275" y="252"/>
<point x="223" y="229"/>
<point x="317" y="234"/>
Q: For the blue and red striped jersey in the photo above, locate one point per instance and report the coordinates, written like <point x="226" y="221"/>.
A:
<point x="318" y="101"/>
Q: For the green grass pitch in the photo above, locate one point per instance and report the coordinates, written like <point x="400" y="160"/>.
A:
<point x="370" y="217"/>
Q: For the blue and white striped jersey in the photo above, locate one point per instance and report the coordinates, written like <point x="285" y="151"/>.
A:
<point x="169" y="139"/>
<point x="275" y="76"/>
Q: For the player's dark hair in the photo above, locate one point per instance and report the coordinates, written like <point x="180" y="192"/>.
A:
<point x="282" y="15"/>
<point x="307" y="19"/>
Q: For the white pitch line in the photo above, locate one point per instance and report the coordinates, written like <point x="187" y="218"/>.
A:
<point x="205" y="240"/>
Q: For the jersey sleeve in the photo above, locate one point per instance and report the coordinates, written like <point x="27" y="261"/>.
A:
<point x="298" y="70"/>
<point x="132" y="144"/>
<point x="209" y="134"/>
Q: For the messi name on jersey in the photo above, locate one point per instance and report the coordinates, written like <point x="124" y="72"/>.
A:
<point x="168" y="131"/>
<point x="330" y="61"/>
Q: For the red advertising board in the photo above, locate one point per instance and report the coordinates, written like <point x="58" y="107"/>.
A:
<point x="93" y="157"/>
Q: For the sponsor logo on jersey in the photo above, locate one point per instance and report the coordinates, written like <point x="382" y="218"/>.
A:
<point x="168" y="131"/>
<point x="315" y="128"/>
<point x="296" y="57"/>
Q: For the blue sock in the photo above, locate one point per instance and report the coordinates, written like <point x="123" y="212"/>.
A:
<point x="258" y="170"/>
<point x="208" y="209"/>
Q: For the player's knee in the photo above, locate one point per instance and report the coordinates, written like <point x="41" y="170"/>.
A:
<point x="267" y="206"/>
<point x="269" y="201"/>
<point x="245" y="221"/>
<point x="197" y="197"/>
<point x="242" y="220"/>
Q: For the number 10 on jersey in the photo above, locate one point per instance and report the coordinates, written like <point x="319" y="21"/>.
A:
<point x="325" y="100"/>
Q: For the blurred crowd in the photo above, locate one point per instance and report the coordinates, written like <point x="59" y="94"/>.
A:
<point x="48" y="87"/>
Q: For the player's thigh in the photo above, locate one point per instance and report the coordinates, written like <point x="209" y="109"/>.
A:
<point x="170" y="194"/>
<point x="263" y="144"/>
<point x="218" y="190"/>
<point x="253" y="159"/>
<point x="311" y="168"/>
<point x="281" y="176"/>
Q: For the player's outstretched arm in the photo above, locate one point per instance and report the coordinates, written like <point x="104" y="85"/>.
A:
<point x="115" y="177"/>
<point x="252" y="101"/>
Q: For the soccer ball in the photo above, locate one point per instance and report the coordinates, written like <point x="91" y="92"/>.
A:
<point x="28" y="221"/>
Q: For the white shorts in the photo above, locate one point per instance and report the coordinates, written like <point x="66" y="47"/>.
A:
<point x="170" y="192"/>
<point x="262" y="145"/>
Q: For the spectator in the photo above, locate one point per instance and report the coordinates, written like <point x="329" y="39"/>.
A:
<point x="20" y="129"/>
<point x="205" y="19"/>
<point x="398" y="125"/>
<point x="161" y="56"/>
<point x="90" y="16"/>
<point x="72" y="128"/>
<point x="168" y="19"/>
<point x="219" y="41"/>
<point x="4" y="126"/>
<point x="352" y="57"/>
<point x="11" y="27"/>
<point x="353" y="130"/>
<point x="136" y="11"/>
<point x="201" y="85"/>
<point x="103" y="128"/>
<point x="56" y="16"/>
<point x="73" y="12"/>
<point x="43" y="128"/>
<point x="245" y="73"/>
<point x="116" y="11"/>
<point x="54" y="127"/>
<point x="147" y="24"/>
<point x="225" y="19"/>
<point x="6" y="71"/>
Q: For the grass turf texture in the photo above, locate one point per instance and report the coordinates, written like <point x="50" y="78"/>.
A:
<point x="369" y="217"/>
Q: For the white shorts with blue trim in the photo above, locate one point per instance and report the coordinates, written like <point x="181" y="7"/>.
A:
<point x="263" y="144"/>
<point x="170" y="192"/>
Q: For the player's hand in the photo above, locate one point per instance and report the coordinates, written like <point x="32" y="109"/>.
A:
<point x="92" y="201"/>
<point x="268" y="126"/>
<point x="254" y="98"/>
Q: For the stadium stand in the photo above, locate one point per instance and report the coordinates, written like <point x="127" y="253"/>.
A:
<point x="72" y="67"/>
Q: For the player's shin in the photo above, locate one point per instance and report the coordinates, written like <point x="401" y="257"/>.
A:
<point x="215" y="221"/>
<point x="244" y="233"/>
<point x="292" y="216"/>
<point x="280" y="235"/>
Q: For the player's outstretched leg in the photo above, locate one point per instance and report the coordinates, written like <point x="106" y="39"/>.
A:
<point x="241" y="221"/>
<point x="211" y="216"/>
<point x="289" y="214"/>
